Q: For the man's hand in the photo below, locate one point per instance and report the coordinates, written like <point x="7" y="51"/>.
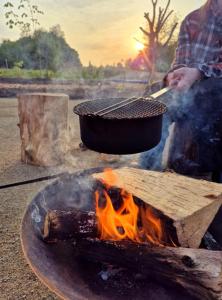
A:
<point x="182" y="79"/>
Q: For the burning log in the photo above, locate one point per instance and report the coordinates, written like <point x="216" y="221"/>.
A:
<point x="73" y="224"/>
<point x="64" y="225"/>
<point x="43" y="122"/>
<point x="199" y="271"/>
<point x="124" y="232"/>
<point x="127" y="221"/>
<point x="189" y="204"/>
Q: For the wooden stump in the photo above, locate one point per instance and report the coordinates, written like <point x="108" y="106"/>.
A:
<point x="43" y="122"/>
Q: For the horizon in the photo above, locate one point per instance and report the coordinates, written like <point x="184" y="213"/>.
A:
<point x="102" y="32"/>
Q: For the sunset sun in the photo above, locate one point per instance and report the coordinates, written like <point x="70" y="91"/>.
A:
<point x="139" y="46"/>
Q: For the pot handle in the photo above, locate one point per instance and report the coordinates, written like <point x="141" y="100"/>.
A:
<point x="159" y="93"/>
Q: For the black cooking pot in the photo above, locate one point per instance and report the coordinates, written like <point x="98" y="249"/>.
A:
<point x="133" y="128"/>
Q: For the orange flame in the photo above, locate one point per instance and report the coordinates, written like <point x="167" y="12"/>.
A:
<point x="129" y="221"/>
<point x="109" y="178"/>
<point x="152" y="226"/>
<point x="117" y="224"/>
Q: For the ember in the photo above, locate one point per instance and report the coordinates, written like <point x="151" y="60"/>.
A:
<point x="128" y="220"/>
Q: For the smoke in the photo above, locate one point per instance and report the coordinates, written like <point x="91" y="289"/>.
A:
<point x="177" y="108"/>
<point x="196" y="138"/>
<point x="153" y="158"/>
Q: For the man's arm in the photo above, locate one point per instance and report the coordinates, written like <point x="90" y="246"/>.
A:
<point x="183" y="78"/>
<point x="209" y="70"/>
<point x="182" y="56"/>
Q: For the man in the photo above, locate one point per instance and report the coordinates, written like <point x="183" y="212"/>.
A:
<point x="196" y="101"/>
<point x="199" y="51"/>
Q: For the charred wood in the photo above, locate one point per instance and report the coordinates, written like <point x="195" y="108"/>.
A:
<point x="74" y="224"/>
<point x="65" y="225"/>
<point x="197" y="270"/>
<point x="209" y="242"/>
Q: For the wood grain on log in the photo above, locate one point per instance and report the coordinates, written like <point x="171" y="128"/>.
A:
<point x="43" y="122"/>
<point x="190" y="203"/>
<point x="198" y="271"/>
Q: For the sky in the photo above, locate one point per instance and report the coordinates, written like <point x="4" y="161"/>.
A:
<point x="102" y="31"/>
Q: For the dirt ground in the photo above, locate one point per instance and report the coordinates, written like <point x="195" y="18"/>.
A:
<point x="75" y="91"/>
<point x="17" y="280"/>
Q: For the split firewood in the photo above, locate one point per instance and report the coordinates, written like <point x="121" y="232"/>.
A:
<point x="74" y="224"/>
<point x="43" y="122"/>
<point x="199" y="271"/>
<point x="190" y="204"/>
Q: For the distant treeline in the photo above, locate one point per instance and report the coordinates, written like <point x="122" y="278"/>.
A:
<point x="46" y="54"/>
<point x="43" y="50"/>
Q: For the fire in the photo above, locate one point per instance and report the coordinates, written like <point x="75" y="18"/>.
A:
<point x="127" y="220"/>
<point x="152" y="226"/>
<point x="109" y="176"/>
<point x="117" y="224"/>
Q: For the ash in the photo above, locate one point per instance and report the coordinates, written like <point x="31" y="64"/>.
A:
<point x="110" y="272"/>
<point x="112" y="282"/>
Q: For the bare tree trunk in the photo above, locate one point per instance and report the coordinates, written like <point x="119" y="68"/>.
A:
<point x="156" y="23"/>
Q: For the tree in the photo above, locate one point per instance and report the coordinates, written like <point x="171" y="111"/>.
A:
<point x="23" y="15"/>
<point x="52" y="51"/>
<point x="43" y="50"/>
<point x="158" y="34"/>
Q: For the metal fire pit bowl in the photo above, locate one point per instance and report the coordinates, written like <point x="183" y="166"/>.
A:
<point x="57" y="266"/>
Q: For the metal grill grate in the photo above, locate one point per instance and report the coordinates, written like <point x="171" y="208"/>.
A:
<point x="142" y="108"/>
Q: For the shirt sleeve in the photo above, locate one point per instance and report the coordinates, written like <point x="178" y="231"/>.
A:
<point x="209" y="70"/>
<point x="182" y="56"/>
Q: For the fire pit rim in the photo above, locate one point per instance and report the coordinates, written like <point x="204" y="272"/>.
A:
<point x="46" y="281"/>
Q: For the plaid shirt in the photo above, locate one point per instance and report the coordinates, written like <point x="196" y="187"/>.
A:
<point x="200" y="47"/>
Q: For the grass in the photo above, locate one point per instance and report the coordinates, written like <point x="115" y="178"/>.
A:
<point x="23" y="73"/>
<point x="91" y="73"/>
<point x="43" y="74"/>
